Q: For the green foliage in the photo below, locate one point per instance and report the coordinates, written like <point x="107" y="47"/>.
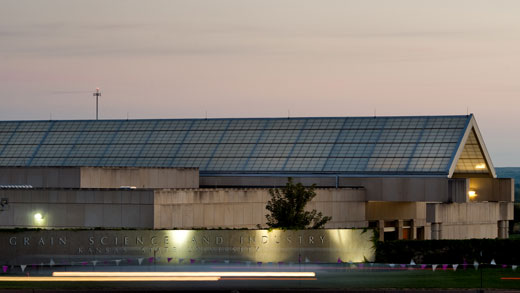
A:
<point x="503" y="251"/>
<point x="287" y="208"/>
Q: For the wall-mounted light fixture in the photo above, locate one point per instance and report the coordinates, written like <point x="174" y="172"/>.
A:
<point x="38" y="217"/>
<point x="472" y="194"/>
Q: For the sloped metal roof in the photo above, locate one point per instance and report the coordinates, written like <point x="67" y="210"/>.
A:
<point x="341" y="145"/>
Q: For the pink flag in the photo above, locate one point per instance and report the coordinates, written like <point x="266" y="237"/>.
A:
<point x="4" y="268"/>
<point x="339" y="260"/>
<point x="192" y="260"/>
<point x="150" y="260"/>
<point x="170" y="259"/>
<point x="423" y="266"/>
<point x="444" y="267"/>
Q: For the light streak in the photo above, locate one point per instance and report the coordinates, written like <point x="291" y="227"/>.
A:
<point x="184" y="274"/>
<point x="104" y="279"/>
<point x="270" y="279"/>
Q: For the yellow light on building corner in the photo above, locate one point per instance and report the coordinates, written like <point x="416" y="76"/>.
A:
<point x="472" y="194"/>
<point x="480" y="166"/>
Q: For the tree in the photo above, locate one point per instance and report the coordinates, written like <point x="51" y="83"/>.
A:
<point x="287" y="207"/>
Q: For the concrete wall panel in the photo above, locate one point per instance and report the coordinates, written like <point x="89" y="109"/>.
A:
<point x="245" y="208"/>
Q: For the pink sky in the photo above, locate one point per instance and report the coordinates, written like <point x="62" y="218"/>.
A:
<point x="178" y="59"/>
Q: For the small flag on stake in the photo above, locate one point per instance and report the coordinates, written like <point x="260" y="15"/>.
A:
<point x="259" y="263"/>
<point x="140" y="260"/>
<point x="434" y="267"/>
<point x="455" y="267"/>
<point x="307" y="260"/>
<point x="339" y="260"/>
<point x="151" y="259"/>
<point x="193" y="261"/>
<point x="117" y="261"/>
<point x="423" y="266"/>
<point x="4" y="268"/>
<point x="504" y="266"/>
<point x="94" y="262"/>
<point x="23" y="267"/>
<point x="170" y="259"/>
<point x="444" y="267"/>
<point x="493" y="263"/>
<point x="402" y="265"/>
<point x="475" y="264"/>
<point x="412" y="263"/>
<point x="392" y="265"/>
<point x="514" y="267"/>
<point x="51" y="262"/>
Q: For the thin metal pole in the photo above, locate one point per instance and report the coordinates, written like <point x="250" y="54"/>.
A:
<point x="97" y="94"/>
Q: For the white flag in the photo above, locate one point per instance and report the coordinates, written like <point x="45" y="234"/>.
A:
<point x="493" y="262"/>
<point x="307" y="260"/>
<point x="392" y="265"/>
<point x="475" y="264"/>
<point x="226" y="261"/>
<point x="434" y="267"/>
<point x="455" y="267"/>
<point x="51" y="262"/>
<point x="412" y="263"/>
<point x="117" y="261"/>
<point x="514" y="267"/>
<point x="94" y="262"/>
<point x="23" y="267"/>
<point x="140" y="260"/>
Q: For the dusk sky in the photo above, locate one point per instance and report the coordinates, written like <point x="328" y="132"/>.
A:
<point x="181" y="59"/>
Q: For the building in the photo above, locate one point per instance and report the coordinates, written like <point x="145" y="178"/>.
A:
<point x="424" y="177"/>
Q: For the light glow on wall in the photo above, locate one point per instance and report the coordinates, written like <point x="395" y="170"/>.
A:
<point x="472" y="194"/>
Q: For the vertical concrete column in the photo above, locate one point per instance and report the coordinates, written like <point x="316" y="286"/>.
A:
<point x="399" y="229"/>
<point x="427" y="232"/>
<point x="503" y="229"/>
<point x="413" y="230"/>
<point x="381" y="227"/>
<point x="436" y="231"/>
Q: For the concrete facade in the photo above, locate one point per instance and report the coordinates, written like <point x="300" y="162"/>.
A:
<point x="399" y="207"/>
<point x="100" y="177"/>
<point x="245" y="208"/>
<point x="77" y="208"/>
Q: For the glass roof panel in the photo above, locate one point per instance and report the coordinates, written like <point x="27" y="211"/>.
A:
<point x="337" y="144"/>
